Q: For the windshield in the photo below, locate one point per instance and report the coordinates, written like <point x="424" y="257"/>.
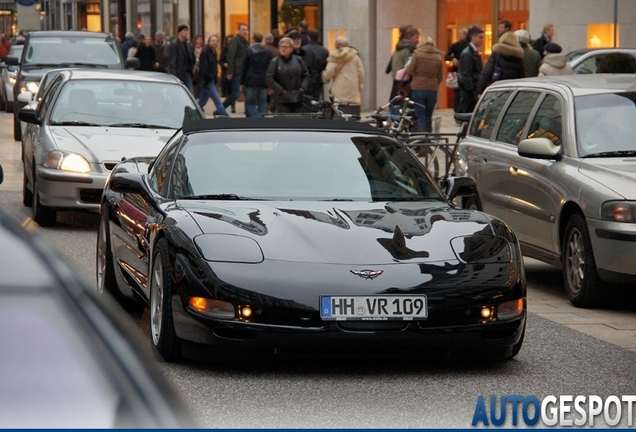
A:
<point x="606" y="123"/>
<point x="123" y="103"/>
<point x="51" y="51"/>
<point x="296" y="165"/>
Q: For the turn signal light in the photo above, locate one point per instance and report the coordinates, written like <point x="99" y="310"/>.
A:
<point x="212" y="308"/>
<point x="510" y="309"/>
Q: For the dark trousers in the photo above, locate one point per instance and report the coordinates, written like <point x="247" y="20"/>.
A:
<point x="468" y="100"/>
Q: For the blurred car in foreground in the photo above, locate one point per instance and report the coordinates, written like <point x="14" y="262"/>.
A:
<point x="86" y="122"/>
<point x="587" y="60"/>
<point x="67" y="360"/>
<point x="554" y="157"/>
<point x="8" y="80"/>
<point x="283" y="235"/>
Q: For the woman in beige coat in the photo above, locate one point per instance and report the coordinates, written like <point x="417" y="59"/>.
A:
<point x="425" y="70"/>
<point x="345" y="70"/>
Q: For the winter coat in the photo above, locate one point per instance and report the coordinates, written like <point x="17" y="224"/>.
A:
<point x="147" y="57"/>
<point x="235" y="52"/>
<point x="255" y="64"/>
<point x="162" y="53"/>
<point x="316" y="61"/>
<point x="288" y="78"/>
<point x="425" y="68"/>
<point x="554" y="64"/>
<point x="208" y="67"/>
<point x="403" y="50"/>
<point x="540" y="44"/>
<point x="470" y="68"/>
<point x="181" y="59"/>
<point x="509" y="58"/>
<point x="531" y="61"/>
<point x="345" y="68"/>
<point x="455" y="51"/>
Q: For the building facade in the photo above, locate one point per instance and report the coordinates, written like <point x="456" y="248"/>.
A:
<point x="371" y="25"/>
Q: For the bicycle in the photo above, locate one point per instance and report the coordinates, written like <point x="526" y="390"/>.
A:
<point x="330" y="109"/>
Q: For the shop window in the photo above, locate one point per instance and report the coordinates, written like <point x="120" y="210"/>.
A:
<point x="331" y="38"/>
<point x="601" y="36"/>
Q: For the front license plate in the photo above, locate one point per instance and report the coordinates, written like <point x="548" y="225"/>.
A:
<point x="369" y="308"/>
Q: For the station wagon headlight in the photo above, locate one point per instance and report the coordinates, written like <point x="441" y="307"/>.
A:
<point x="619" y="211"/>
<point x="67" y="162"/>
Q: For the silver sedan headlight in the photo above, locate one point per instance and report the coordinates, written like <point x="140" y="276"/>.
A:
<point x="619" y="211"/>
<point x="31" y="86"/>
<point x="67" y="162"/>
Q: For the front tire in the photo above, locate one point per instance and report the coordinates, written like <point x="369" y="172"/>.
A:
<point x="582" y="284"/>
<point x="42" y="215"/>
<point x="163" y="336"/>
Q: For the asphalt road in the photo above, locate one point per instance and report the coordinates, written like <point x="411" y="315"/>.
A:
<point x="336" y="393"/>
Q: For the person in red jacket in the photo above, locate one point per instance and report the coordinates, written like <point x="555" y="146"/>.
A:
<point x="5" y="45"/>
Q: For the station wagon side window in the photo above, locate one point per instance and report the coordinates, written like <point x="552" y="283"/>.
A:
<point x="161" y="168"/>
<point x="487" y="113"/>
<point x="516" y="117"/>
<point x="548" y="122"/>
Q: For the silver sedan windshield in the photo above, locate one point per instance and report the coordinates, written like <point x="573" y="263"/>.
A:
<point x="121" y="103"/>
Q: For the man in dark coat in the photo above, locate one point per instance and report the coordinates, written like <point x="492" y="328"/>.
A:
<point x="181" y="61"/>
<point x="235" y="52"/>
<point x="546" y="38"/>
<point x="453" y="54"/>
<point x="288" y="78"/>
<point x="470" y="68"/>
<point x="255" y="64"/>
<point x="162" y="53"/>
<point x="316" y="61"/>
<point x="208" y="75"/>
<point x="146" y="55"/>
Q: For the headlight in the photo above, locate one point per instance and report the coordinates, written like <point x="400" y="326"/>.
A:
<point x="32" y="87"/>
<point x="619" y="211"/>
<point x="12" y="77"/>
<point x="67" y="162"/>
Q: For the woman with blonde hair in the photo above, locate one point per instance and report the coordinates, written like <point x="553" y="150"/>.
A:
<point x="345" y="70"/>
<point x="425" y="70"/>
<point x="505" y="62"/>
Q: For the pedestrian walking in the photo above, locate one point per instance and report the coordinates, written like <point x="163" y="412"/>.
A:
<point x="403" y="51"/>
<point x="197" y="49"/>
<point x="544" y="39"/>
<point x="146" y="55"/>
<point x="129" y="37"/>
<point x="208" y="76"/>
<point x="504" y="26"/>
<point x="554" y="62"/>
<point x="531" y="58"/>
<point x="452" y="55"/>
<point x="181" y="61"/>
<point x="470" y="68"/>
<point x="254" y="70"/>
<point x="235" y="52"/>
<point x="317" y="54"/>
<point x="288" y="77"/>
<point x="226" y="85"/>
<point x="346" y="73"/>
<point x="426" y="74"/>
<point x="505" y="62"/>
<point x="162" y="54"/>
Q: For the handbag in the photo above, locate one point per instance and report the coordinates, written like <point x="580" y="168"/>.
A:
<point x="451" y="80"/>
<point x="401" y="75"/>
<point x="497" y="71"/>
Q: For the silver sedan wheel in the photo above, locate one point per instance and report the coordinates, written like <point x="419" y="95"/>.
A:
<point x="575" y="261"/>
<point x="156" y="300"/>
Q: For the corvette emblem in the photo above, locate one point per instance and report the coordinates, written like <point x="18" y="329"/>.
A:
<point x="367" y="274"/>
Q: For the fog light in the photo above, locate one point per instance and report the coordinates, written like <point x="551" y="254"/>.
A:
<point x="486" y="312"/>
<point x="510" y="309"/>
<point x="246" y="312"/>
<point x="212" y="308"/>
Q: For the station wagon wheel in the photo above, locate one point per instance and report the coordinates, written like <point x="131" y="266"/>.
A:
<point x="163" y="336"/>
<point x="43" y="215"/>
<point x="582" y="284"/>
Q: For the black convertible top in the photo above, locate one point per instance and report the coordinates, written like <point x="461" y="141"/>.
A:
<point x="282" y="122"/>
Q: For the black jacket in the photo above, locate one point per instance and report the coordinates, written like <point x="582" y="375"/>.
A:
<point x="255" y="63"/>
<point x="286" y="77"/>
<point x="316" y="61"/>
<point x="147" y="57"/>
<point x="508" y="58"/>
<point x="455" y="52"/>
<point x="469" y="69"/>
<point x="540" y="44"/>
<point x="208" y="66"/>
<point x="181" y="59"/>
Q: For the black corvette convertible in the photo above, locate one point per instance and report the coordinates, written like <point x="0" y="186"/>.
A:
<point x="291" y="234"/>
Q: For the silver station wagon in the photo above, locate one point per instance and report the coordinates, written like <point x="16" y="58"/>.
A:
<point x="555" y="157"/>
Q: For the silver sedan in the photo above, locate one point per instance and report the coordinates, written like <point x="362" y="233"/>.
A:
<point x="555" y="157"/>
<point x="85" y="122"/>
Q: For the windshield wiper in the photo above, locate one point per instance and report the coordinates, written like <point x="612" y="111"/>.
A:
<point x="615" y="153"/>
<point x="39" y="65"/>
<point x="74" y="123"/>
<point x="140" y="125"/>
<point x="218" y="197"/>
<point x="337" y="199"/>
<point x="84" y="64"/>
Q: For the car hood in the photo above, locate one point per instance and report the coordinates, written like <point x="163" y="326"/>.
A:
<point x="617" y="174"/>
<point x="343" y="233"/>
<point x="100" y="144"/>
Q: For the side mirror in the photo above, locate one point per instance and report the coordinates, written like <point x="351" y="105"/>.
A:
<point x="12" y="61"/>
<point x="29" y="115"/>
<point x="122" y="181"/>
<point x="539" y="148"/>
<point x="25" y="97"/>
<point x="459" y="186"/>
<point x="132" y="63"/>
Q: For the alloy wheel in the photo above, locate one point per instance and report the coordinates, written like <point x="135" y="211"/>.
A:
<point x="575" y="261"/>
